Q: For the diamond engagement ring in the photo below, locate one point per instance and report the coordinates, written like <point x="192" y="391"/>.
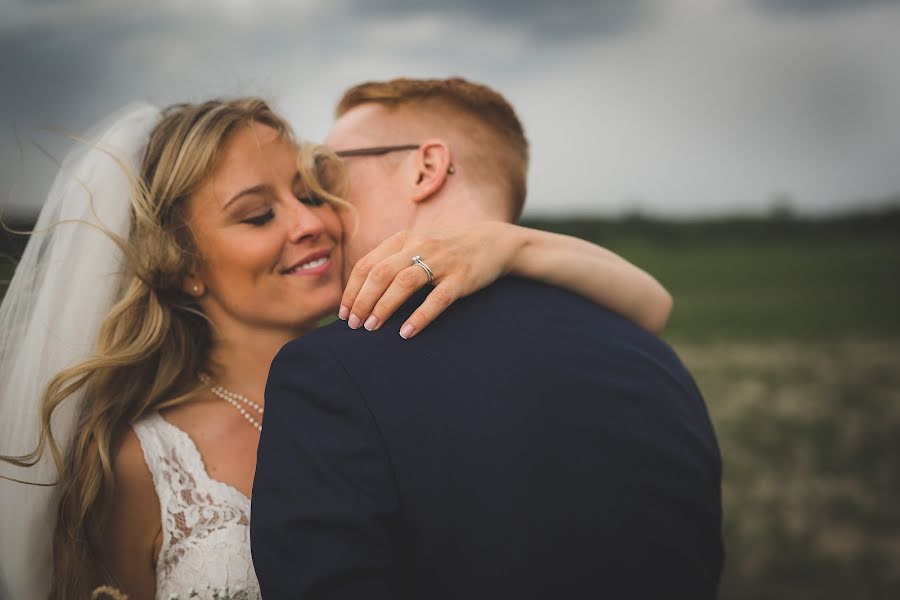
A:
<point x="417" y="260"/>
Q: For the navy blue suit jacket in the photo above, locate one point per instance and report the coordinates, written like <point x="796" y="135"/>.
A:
<point x="528" y="444"/>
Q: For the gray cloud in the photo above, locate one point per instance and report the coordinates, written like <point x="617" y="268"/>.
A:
<point x="812" y="7"/>
<point x="54" y="68"/>
<point x="684" y="108"/>
<point x="552" y="20"/>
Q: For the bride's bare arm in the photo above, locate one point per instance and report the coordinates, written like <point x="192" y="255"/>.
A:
<point x="465" y="261"/>
<point x="129" y="547"/>
<point x="594" y="272"/>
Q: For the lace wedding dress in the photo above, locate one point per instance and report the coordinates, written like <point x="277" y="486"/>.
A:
<point x="205" y="550"/>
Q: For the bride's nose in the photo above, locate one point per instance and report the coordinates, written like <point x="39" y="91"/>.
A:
<point x="305" y="222"/>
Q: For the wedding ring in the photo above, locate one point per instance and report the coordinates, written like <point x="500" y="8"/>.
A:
<point x="417" y="260"/>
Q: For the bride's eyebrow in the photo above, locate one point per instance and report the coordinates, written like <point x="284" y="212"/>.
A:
<point x="256" y="189"/>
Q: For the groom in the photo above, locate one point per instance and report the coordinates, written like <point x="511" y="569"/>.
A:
<point x="527" y="445"/>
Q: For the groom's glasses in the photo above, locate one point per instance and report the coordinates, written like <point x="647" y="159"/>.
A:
<point x="375" y="150"/>
<point x="379" y="150"/>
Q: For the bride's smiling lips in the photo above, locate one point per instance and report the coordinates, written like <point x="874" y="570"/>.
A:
<point x="312" y="264"/>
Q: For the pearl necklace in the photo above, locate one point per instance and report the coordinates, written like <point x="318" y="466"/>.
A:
<point x="236" y="400"/>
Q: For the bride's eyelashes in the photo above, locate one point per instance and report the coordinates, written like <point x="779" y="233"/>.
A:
<point x="310" y="199"/>
<point x="260" y="220"/>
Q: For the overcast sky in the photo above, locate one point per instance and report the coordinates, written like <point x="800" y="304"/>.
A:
<point x="670" y="107"/>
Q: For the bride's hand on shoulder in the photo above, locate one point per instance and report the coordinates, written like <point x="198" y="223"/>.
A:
<point x="461" y="263"/>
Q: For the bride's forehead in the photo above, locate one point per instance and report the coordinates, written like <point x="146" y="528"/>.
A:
<point x="251" y="157"/>
<point x="261" y="168"/>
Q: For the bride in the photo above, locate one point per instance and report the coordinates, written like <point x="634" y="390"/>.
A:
<point x="177" y="252"/>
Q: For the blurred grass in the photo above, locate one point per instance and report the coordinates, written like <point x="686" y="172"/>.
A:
<point x="792" y="330"/>
<point x="759" y="280"/>
<point x="810" y="435"/>
<point x="813" y="290"/>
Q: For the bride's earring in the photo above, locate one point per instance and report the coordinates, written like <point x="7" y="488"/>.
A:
<point x="192" y="285"/>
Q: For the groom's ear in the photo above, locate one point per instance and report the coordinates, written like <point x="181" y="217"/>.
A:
<point x="433" y="165"/>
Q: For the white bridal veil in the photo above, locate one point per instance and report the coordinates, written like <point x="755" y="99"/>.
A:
<point x="62" y="289"/>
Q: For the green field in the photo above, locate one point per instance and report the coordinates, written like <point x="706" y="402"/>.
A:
<point x="762" y="280"/>
<point x="792" y="330"/>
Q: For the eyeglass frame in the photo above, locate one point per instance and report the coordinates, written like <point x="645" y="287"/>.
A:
<point x="381" y="151"/>
<point x="375" y="150"/>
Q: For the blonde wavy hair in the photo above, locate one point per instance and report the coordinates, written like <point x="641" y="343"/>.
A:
<point x="155" y="342"/>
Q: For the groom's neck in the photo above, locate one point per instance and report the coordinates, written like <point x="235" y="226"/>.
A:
<point x="454" y="211"/>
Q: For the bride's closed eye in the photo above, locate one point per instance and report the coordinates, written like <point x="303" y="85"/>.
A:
<point x="260" y="220"/>
<point x="310" y="199"/>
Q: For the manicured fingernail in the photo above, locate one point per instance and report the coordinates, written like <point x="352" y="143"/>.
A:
<point x="371" y="323"/>
<point x="343" y="313"/>
<point x="353" y="322"/>
<point x="407" y="330"/>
